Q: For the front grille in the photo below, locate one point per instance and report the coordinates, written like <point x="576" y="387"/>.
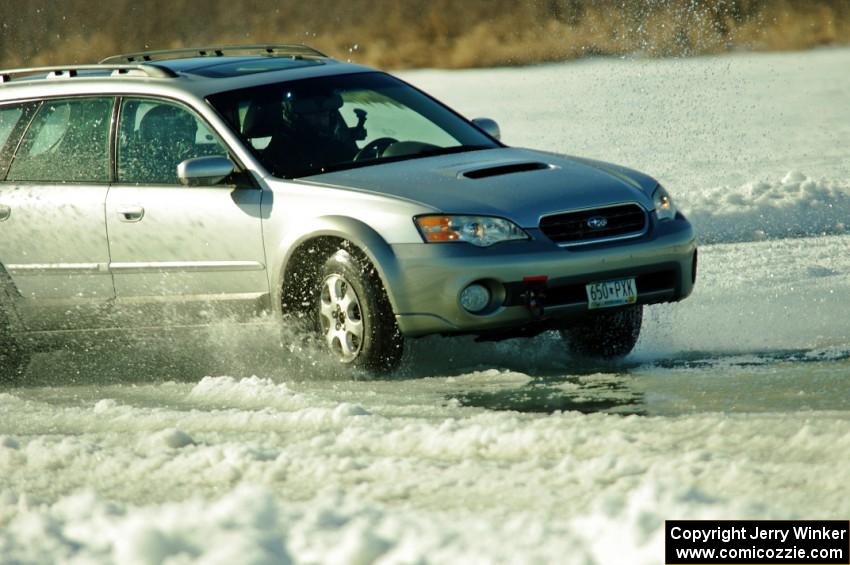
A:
<point x="573" y="228"/>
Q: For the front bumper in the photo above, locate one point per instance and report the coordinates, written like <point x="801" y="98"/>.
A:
<point x="429" y="278"/>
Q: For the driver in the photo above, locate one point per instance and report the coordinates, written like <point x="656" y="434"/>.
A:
<point x="313" y="135"/>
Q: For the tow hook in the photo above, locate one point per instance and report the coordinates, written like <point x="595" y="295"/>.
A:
<point x="534" y="295"/>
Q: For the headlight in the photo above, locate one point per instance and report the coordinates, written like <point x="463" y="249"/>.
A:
<point x="482" y="231"/>
<point x="664" y="207"/>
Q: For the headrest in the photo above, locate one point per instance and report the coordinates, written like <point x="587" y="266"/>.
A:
<point x="165" y="122"/>
<point x="262" y="119"/>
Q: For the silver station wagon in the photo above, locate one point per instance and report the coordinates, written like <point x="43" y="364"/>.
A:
<point x="187" y="186"/>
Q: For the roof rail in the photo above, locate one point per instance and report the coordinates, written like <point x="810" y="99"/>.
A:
<point x="70" y="71"/>
<point x="271" y="49"/>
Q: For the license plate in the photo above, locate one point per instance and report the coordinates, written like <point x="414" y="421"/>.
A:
<point x="611" y="293"/>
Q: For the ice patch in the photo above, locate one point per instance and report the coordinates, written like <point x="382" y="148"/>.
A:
<point x="793" y="206"/>
<point x="491" y="377"/>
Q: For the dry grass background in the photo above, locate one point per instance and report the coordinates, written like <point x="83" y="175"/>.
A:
<point x="420" y="33"/>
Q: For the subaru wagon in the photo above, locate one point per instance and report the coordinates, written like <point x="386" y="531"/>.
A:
<point x="193" y="185"/>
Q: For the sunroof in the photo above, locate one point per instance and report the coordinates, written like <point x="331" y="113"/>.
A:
<point x="252" y="66"/>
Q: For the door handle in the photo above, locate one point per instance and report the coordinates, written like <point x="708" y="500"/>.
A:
<point x="5" y="212"/>
<point x="131" y="213"/>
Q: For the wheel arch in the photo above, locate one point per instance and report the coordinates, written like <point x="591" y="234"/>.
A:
<point x="304" y="254"/>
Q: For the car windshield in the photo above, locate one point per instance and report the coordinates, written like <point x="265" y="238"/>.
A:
<point x="312" y="126"/>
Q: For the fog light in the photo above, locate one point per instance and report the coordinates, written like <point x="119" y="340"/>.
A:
<point x="475" y="298"/>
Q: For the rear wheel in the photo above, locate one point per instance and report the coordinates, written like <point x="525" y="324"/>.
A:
<point x="355" y="319"/>
<point x="606" y="334"/>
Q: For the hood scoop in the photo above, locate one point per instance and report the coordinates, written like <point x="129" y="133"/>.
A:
<point x="508" y="169"/>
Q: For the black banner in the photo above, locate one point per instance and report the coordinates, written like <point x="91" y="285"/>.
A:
<point x="757" y="542"/>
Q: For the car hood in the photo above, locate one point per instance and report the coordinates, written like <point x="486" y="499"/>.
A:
<point x="518" y="184"/>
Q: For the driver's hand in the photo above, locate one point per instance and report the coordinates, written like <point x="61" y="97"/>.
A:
<point x="358" y="132"/>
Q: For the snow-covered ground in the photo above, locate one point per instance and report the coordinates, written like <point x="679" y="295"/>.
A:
<point x="735" y="404"/>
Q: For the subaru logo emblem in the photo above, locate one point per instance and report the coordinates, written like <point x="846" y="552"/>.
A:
<point x="597" y="222"/>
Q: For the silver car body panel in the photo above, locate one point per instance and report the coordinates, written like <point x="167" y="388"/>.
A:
<point x="55" y="251"/>
<point x="431" y="301"/>
<point x="295" y="212"/>
<point x="191" y="242"/>
<point x="439" y="182"/>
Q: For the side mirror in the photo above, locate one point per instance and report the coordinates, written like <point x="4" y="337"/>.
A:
<point x="489" y="126"/>
<point x="204" y="171"/>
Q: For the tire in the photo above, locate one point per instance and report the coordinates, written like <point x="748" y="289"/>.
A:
<point x="605" y="335"/>
<point x="354" y="317"/>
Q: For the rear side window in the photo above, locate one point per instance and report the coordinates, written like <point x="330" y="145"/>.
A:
<point x="8" y="120"/>
<point x="155" y="136"/>
<point x="68" y="141"/>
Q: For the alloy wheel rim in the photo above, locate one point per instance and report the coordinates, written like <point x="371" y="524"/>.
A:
<point x="341" y="318"/>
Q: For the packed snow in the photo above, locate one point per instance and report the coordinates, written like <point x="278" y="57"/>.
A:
<point x="792" y="206"/>
<point x="227" y="445"/>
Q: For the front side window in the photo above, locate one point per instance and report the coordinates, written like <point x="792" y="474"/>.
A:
<point x="68" y="141"/>
<point x="155" y="136"/>
<point x="311" y="126"/>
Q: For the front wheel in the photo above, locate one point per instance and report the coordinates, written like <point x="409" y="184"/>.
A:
<point x="605" y="334"/>
<point x="355" y="319"/>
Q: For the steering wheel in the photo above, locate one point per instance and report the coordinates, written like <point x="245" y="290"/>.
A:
<point x="375" y="148"/>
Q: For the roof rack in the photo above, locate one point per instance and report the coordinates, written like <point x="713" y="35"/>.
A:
<point x="296" y="50"/>
<point x="70" y="71"/>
